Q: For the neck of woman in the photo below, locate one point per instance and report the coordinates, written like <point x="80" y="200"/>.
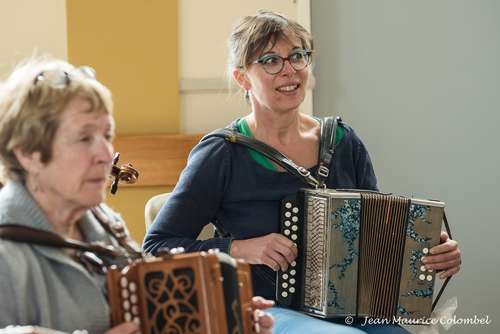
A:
<point x="281" y="128"/>
<point x="62" y="215"/>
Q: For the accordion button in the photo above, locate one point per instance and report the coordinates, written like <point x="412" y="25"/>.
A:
<point x="133" y="298"/>
<point x="430" y="270"/>
<point x="135" y="310"/>
<point x="294" y="237"/>
<point x="123" y="282"/>
<point x="425" y="250"/>
<point x="295" y="210"/>
<point x="132" y="287"/>
<point x="429" y="278"/>
<point x="126" y="305"/>
<point x="284" y="285"/>
<point x="295" y="228"/>
<point x="292" y="280"/>
<point x="292" y="272"/>
<point x="293" y="264"/>
<point x="125" y="293"/>
<point x="421" y="277"/>
<point x="287" y="232"/>
<point x="292" y="290"/>
<point x="295" y="219"/>
<point x="285" y="276"/>
<point x="127" y="316"/>
<point x="288" y="214"/>
<point x="284" y="294"/>
<point x="287" y="223"/>
<point x="137" y="320"/>
<point x="288" y="205"/>
<point x="422" y="268"/>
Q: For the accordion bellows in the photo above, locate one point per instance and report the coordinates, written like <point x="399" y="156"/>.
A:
<point x="202" y="293"/>
<point x="359" y="254"/>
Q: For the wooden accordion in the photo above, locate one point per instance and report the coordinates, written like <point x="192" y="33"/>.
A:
<point x="359" y="254"/>
<point x="203" y="293"/>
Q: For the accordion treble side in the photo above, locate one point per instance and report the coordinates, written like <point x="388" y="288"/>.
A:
<point x="205" y="292"/>
<point x="359" y="254"/>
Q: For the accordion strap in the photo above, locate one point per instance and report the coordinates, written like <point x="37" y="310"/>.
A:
<point x="31" y="235"/>
<point x="447" y="280"/>
<point x="327" y="148"/>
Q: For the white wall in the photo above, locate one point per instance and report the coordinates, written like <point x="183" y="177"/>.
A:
<point x="204" y="26"/>
<point x="420" y="82"/>
<point x="31" y="27"/>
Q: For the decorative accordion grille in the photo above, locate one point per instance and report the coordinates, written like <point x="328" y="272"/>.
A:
<point x="315" y="253"/>
<point x="172" y="302"/>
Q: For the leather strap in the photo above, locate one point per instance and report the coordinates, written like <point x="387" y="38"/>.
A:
<point x="26" y="234"/>
<point x="271" y="153"/>
<point x="328" y="140"/>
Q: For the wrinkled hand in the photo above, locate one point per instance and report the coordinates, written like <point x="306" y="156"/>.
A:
<point x="263" y="321"/>
<point x="125" y="328"/>
<point x="445" y="256"/>
<point x="273" y="250"/>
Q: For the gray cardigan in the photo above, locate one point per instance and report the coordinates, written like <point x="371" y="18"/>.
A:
<point x="41" y="285"/>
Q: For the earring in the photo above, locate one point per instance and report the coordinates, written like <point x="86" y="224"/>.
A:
<point x="247" y="95"/>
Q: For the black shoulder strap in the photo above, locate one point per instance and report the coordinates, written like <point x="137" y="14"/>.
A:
<point x="26" y="234"/>
<point x="328" y="139"/>
<point x="232" y="136"/>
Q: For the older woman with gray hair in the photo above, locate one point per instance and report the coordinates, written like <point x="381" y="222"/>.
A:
<point x="56" y="129"/>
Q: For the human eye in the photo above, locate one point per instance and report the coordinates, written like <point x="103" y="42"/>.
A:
<point x="270" y="60"/>
<point x="298" y="56"/>
<point x="109" y="136"/>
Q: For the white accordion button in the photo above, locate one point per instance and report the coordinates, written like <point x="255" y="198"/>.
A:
<point x="126" y="305"/>
<point x="421" y="277"/>
<point x="430" y="270"/>
<point x="135" y="310"/>
<point x="133" y="298"/>
<point x="292" y="290"/>
<point x="123" y="282"/>
<point x="295" y="210"/>
<point x="292" y="280"/>
<point x="132" y="287"/>
<point x="288" y="205"/>
<point x="284" y="294"/>
<point x="284" y="285"/>
<point x="295" y="219"/>
<point x="125" y="293"/>
<point x="429" y="278"/>
<point x="293" y="264"/>
<point x="425" y="250"/>
<point x="137" y="320"/>
<point x="292" y="272"/>
<point x="294" y="228"/>
<point x="422" y="268"/>
<point x="287" y="232"/>
<point x="127" y="316"/>
<point x="287" y="223"/>
<point x="288" y="214"/>
<point x="285" y="276"/>
<point x="294" y="237"/>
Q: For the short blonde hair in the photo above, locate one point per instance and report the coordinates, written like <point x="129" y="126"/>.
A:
<point x="30" y="108"/>
<point x="252" y="34"/>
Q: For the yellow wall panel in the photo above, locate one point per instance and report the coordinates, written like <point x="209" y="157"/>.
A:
<point x="132" y="44"/>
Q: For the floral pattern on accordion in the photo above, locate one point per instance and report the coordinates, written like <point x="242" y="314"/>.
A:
<point x="172" y="301"/>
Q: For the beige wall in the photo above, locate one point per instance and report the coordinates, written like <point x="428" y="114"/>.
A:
<point x="205" y="100"/>
<point x="28" y="27"/>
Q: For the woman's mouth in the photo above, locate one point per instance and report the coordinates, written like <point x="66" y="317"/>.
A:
<point x="288" y="88"/>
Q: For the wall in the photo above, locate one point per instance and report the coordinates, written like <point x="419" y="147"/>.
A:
<point x="420" y="81"/>
<point x="30" y="27"/>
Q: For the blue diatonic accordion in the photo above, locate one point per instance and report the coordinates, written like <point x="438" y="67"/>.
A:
<point x="359" y="254"/>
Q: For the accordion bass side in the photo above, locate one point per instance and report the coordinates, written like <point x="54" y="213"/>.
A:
<point x="359" y="254"/>
<point x="202" y="293"/>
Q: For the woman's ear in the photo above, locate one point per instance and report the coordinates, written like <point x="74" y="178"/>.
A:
<point x="31" y="162"/>
<point x="241" y="79"/>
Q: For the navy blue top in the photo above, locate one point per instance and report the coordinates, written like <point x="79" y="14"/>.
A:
<point x="224" y="185"/>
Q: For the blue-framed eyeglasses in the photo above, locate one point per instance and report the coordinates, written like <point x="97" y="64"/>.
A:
<point x="273" y="64"/>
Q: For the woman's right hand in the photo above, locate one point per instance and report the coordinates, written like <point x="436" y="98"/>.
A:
<point x="274" y="250"/>
<point x="125" y="328"/>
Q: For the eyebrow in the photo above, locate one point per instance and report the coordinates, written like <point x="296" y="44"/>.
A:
<point x="271" y="52"/>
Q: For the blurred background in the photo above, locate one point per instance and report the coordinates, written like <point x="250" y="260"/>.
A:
<point x="418" y="80"/>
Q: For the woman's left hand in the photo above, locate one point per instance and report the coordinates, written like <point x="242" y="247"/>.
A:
<point x="263" y="321"/>
<point x="445" y="256"/>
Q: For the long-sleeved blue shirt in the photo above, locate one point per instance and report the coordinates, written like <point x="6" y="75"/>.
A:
<point x="224" y="185"/>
